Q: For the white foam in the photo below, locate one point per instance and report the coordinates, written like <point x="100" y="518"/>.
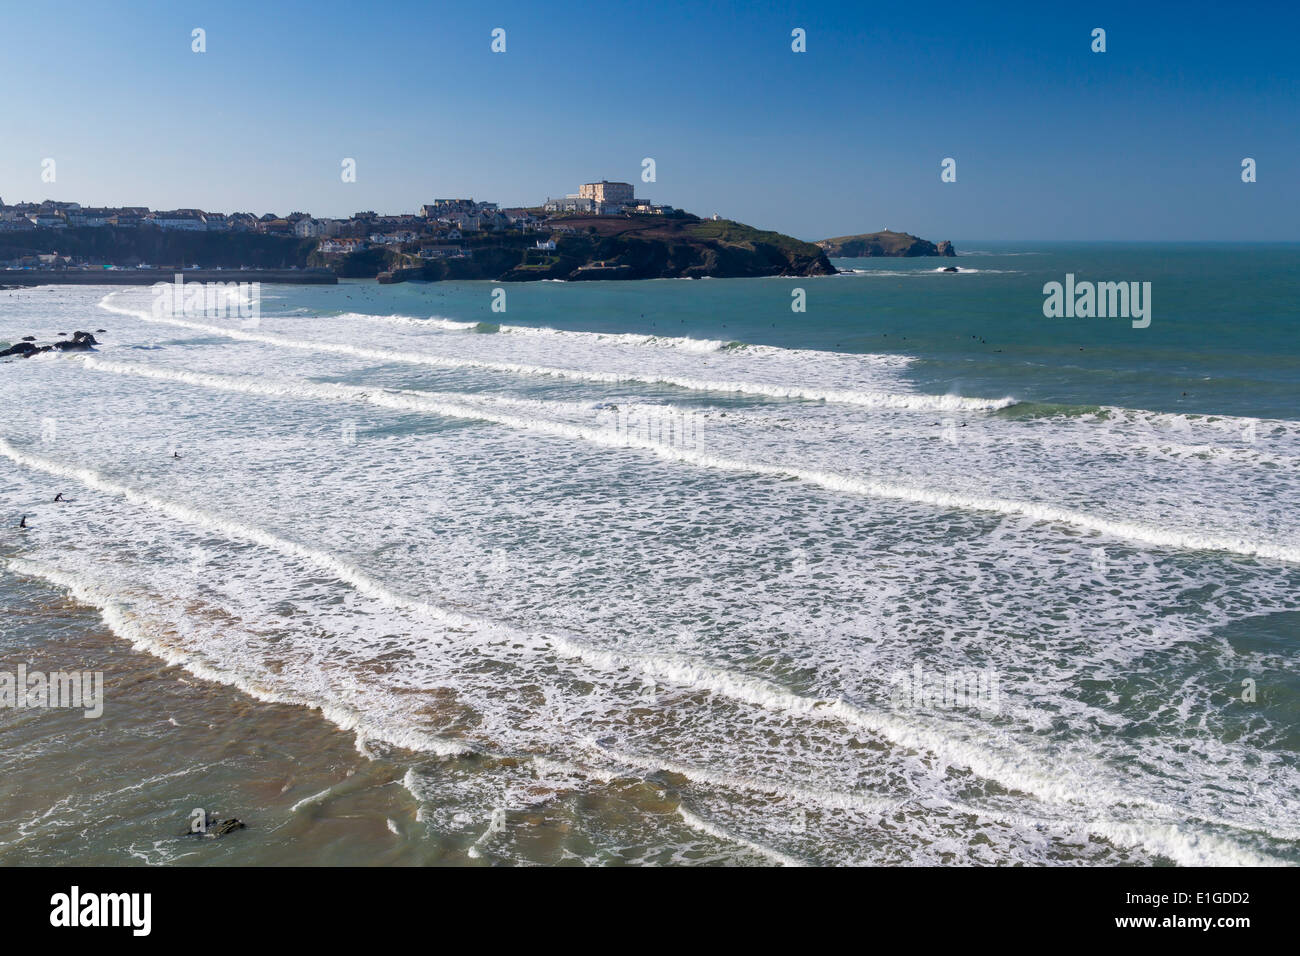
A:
<point x="1174" y="841"/>
<point x="1016" y="770"/>
<point x="868" y="399"/>
<point x="433" y="322"/>
<point x="124" y="624"/>
<point x="413" y="401"/>
<point x="721" y="833"/>
<point x="823" y="797"/>
<point x="686" y="343"/>
<point x="314" y="800"/>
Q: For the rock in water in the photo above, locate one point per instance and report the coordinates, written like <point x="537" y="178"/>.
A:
<point x="25" y="349"/>
<point x="80" y="340"/>
<point x="211" y="828"/>
<point x="884" y="243"/>
<point x="227" y="826"/>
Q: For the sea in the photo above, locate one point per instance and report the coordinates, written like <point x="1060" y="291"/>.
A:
<point x="880" y="568"/>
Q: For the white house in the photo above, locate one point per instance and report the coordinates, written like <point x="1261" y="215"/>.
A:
<point x="338" y="247"/>
<point x="181" y="219"/>
<point x="48" y="221"/>
<point x="392" y="238"/>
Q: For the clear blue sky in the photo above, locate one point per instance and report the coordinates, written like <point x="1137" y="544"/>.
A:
<point x="1051" y="140"/>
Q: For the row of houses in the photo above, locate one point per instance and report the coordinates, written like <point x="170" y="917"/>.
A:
<point x="52" y="214"/>
<point x="440" y="222"/>
<point x="436" y="218"/>
<point x="343" y="245"/>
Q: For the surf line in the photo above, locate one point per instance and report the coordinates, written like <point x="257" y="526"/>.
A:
<point x="697" y="822"/>
<point x="891" y="400"/>
<point x="186" y="514"/>
<point x="418" y="402"/>
<point x="876" y="360"/>
<point x="1157" y="837"/>
<point x="125" y="625"/>
<point x="1010" y="770"/>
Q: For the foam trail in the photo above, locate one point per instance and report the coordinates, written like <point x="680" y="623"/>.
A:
<point x="1013" y="770"/>
<point x="718" y="833"/>
<point x="441" y="323"/>
<point x="833" y="799"/>
<point x="497" y="825"/>
<point x="315" y="798"/>
<point x="425" y="402"/>
<point x="893" y="400"/>
<point x="1170" y="840"/>
<point x="331" y="564"/>
<point x="394" y="398"/>
<point x="124" y="624"/>
<point x="433" y="322"/>
<point x="640" y="339"/>
<point x="1167" y="840"/>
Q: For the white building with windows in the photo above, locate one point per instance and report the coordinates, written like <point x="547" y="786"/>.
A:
<point x="184" y="220"/>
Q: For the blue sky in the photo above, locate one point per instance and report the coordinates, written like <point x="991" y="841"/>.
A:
<point x="1052" y="141"/>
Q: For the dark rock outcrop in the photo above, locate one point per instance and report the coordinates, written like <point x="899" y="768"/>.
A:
<point x="213" y="828"/>
<point x="226" y="827"/>
<point x="885" y="243"/>
<point x="80" y="342"/>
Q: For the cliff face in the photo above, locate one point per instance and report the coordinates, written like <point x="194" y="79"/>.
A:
<point x="883" y="244"/>
<point x="592" y="247"/>
<point x="619" y="247"/>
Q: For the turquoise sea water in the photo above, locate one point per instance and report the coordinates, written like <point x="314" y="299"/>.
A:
<point x="652" y="572"/>
<point x="1223" y="327"/>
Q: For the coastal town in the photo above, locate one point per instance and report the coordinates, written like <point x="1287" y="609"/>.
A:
<point x="438" y="230"/>
<point x="603" y="231"/>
